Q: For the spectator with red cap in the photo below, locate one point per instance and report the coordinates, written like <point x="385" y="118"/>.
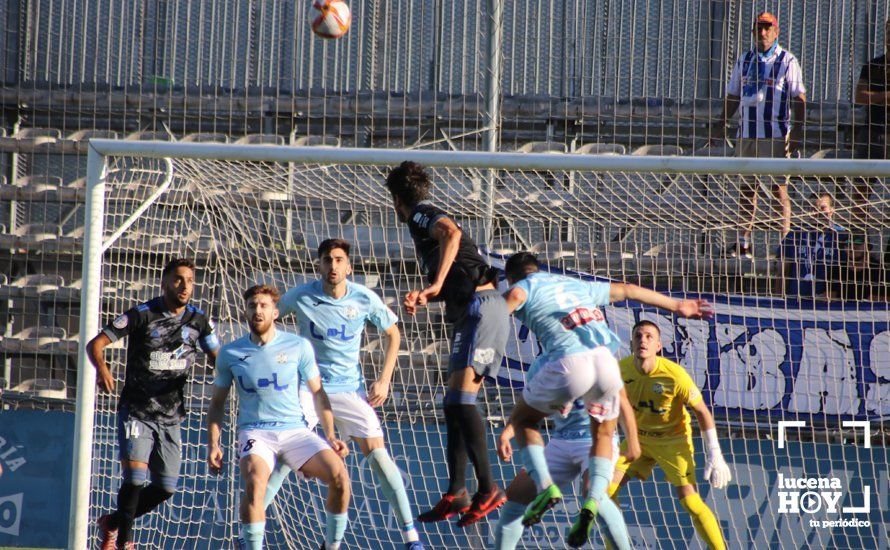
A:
<point x="767" y="83"/>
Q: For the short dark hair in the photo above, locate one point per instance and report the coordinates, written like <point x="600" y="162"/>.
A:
<point x="820" y="194"/>
<point x="175" y="263"/>
<point x="521" y="264"/>
<point x="329" y="244"/>
<point x="268" y="290"/>
<point x="644" y="323"/>
<point x="409" y="182"/>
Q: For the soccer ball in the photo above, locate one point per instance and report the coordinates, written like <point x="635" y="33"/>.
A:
<point x="333" y="18"/>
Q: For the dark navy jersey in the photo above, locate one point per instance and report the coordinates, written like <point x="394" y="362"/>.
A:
<point x="160" y="354"/>
<point x="468" y="271"/>
<point x="876" y="78"/>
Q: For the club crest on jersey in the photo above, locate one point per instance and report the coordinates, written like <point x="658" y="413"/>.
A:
<point x="351" y="313"/>
<point x="120" y="322"/>
<point x="658" y="388"/>
<point x="185" y="333"/>
<point x="281" y="358"/>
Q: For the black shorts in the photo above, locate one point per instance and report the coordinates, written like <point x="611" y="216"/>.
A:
<point x="480" y="337"/>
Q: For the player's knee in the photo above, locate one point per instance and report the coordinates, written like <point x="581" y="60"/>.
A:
<point x="168" y="485"/>
<point x="135" y="476"/>
<point x="339" y="480"/>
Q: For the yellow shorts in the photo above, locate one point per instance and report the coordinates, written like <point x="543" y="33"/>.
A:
<point x="673" y="454"/>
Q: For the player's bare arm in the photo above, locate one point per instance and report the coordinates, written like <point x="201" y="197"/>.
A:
<point x="325" y="415"/>
<point x="628" y="421"/>
<point x="515" y="297"/>
<point x="693" y="309"/>
<point x="448" y="234"/>
<point x="96" y="353"/>
<point x="505" y="448"/>
<point x="378" y="392"/>
<point x="214" y="428"/>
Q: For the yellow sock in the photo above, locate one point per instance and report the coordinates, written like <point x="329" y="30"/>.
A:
<point x="705" y="523"/>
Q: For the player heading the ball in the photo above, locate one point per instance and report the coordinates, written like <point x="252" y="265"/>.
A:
<point x="458" y="275"/>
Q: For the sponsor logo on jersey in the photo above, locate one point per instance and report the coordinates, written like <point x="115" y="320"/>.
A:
<point x="167" y="361"/>
<point x="483" y="356"/>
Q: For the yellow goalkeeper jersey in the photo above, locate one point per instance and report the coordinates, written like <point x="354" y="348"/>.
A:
<point x="660" y="397"/>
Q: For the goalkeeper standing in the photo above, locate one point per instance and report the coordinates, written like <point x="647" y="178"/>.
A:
<point x="659" y="391"/>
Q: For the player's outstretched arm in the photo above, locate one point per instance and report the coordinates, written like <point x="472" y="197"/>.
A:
<point x="717" y="472"/>
<point x="628" y="421"/>
<point x="214" y="428"/>
<point x="96" y="353"/>
<point x="379" y="390"/>
<point x="694" y="309"/>
<point x="325" y="415"/>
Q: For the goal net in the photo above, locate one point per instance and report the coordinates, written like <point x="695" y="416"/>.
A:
<point x="255" y="214"/>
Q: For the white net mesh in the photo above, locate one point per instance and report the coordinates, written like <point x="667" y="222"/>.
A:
<point x="766" y="357"/>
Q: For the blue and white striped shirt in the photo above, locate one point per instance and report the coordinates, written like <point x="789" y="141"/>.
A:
<point x="766" y="85"/>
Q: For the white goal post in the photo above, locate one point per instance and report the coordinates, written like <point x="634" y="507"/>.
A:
<point x="566" y="187"/>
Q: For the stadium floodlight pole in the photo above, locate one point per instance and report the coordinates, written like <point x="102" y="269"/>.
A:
<point x="78" y="515"/>
<point x="493" y="109"/>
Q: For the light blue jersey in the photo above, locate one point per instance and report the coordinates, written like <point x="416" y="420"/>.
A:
<point x="268" y="379"/>
<point x="576" y="425"/>
<point x="335" y="327"/>
<point x="564" y="314"/>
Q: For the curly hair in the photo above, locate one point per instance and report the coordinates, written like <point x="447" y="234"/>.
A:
<point x="409" y="182"/>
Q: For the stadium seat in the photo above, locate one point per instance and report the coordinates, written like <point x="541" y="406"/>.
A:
<point x="542" y="147"/>
<point x="36" y="339"/>
<point x="38" y="136"/>
<point x="32" y="188"/>
<point x="149" y="135"/>
<point x="32" y="286"/>
<point x="206" y="137"/>
<point x="261" y="139"/>
<point x="42" y="387"/>
<point x="658" y="151"/>
<point x="86" y="135"/>
<point x="832" y="154"/>
<point x="601" y="149"/>
<point x="29" y="235"/>
<point x="721" y="150"/>
<point x="317" y="141"/>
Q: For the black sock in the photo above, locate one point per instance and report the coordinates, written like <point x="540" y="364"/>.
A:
<point x="455" y="452"/>
<point x="473" y="430"/>
<point x="150" y="498"/>
<point x="127" y="501"/>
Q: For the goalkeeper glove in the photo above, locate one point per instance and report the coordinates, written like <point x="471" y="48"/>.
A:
<point x="716" y="470"/>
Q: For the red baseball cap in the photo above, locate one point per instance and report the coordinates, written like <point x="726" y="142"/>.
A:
<point x="766" y="18"/>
